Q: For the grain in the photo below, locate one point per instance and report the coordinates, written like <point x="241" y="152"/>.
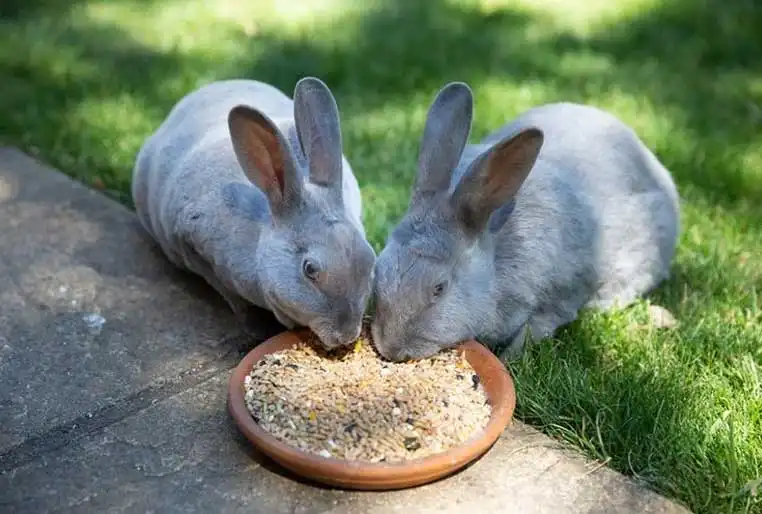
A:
<point x="354" y="405"/>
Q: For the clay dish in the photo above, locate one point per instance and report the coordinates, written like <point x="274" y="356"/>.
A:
<point x="497" y="384"/>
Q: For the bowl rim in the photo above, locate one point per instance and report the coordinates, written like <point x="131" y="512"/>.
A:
<point x="381" y="475"/>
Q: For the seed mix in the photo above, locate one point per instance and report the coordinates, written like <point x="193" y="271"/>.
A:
<point x="352" y="404"/>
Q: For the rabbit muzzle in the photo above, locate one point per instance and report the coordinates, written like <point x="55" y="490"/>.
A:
<point x="336" y="339"/>
<point x="401" y="345"/>
<point x="341" y="332"/>
<point x="389" y="346"/>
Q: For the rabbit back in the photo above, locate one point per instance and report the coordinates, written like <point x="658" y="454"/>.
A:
<point x="595" y="223"/>
<point x="187" y="165"/>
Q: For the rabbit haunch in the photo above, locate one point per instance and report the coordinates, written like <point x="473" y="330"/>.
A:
<point x="250" y="190"/>
<point x="562" y="209"/>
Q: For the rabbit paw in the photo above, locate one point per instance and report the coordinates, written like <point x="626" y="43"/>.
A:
<point x="513" y="349"/>
<point x="259" y="324"/>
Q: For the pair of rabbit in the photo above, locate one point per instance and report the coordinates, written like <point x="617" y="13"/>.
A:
<point x="250" y="190"/>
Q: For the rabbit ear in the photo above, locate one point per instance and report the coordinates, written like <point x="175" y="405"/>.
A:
<point x="265" y="157"/>
<point x="494" y="178"/>
<point x="445" y="135"/>
<point x="319" y="129"/>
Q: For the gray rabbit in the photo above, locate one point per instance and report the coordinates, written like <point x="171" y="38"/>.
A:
<point x="250" y="190"/>
<point x="490" y="251"/>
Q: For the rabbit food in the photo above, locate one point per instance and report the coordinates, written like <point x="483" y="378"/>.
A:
<point x="354" y="405"/>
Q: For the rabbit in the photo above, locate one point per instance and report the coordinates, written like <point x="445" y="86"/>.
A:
<point x="490" y="251"/>
<point x="249" y="189"/>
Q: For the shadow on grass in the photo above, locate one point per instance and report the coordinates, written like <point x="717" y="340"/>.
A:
<point x="402" y="48"/>
<point x="54" y="84"/>
<point x="19" y="9"/>
<point x="671" y="408"/>
<point x="637" y="421"/>
<point x="700" y="59"/>
<point x="695" y="59"/>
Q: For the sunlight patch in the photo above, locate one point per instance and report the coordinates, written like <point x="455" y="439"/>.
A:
<point x="309" y="11"/>
<point x="578" y="17"/>
<point x="182" y="25"/>
<point x="113" y="128"/>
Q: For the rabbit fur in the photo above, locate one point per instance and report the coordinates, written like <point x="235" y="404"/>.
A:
<point x="488" y="250"/>
<point x="249" y="189"/>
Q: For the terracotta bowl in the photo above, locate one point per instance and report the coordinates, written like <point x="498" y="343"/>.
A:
<point x="377" y="476"/>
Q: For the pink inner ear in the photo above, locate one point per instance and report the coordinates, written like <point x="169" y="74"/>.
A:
<point x="509" y="166"/>
<point x="265" y="152"/>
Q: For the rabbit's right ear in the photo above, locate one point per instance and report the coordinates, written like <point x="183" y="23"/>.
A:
<point x="494" y="178"/>
<point x="265" y="157"/>
<point x="445" y="135"/>
<point x="317" y="123"/>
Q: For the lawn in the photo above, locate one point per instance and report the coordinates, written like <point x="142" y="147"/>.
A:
<point x="84" y="82"/>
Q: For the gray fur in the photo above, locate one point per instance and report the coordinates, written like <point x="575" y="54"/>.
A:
<point x="240" y="185"/>
<point x="594" y="225"/>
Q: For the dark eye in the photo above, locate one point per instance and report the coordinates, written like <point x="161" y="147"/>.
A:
<point x="439" y="289"/>
<point x="310" y="270"/>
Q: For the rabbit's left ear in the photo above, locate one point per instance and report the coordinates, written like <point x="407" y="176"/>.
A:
<point x="319" y="129"/>
<point x="448" y="125"/>
<point x="494" y="178"/>
<point x="265" y="157"/>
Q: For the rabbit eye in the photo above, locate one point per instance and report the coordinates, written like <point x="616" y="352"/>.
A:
<point x="310" y="269"/>
<point x="439" y="289"/>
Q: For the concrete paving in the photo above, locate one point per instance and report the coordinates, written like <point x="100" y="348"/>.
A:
<point x="113" y="372"/>
<point x="92" y="315"/>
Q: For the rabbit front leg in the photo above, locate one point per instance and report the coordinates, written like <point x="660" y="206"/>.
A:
<point x="540" y="325"/>
<point x="514" y="347"/>
<point x="509" y="338"/>
<point x="259" y="323"/>
<point x="536" y="329"/>
<point x="545" y="324"/>
<point x="256" y="322"/>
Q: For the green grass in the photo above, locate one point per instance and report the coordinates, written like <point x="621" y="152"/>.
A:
<point x="84" y="82"/>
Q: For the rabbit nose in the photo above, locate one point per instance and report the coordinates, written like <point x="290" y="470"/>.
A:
<point x="377" y="332"/>
<point x="346" y="316"/>
<point x="350" y="334"/>
<point x="381" y="342"/>
<point x="349" y="321"/>
<point x="380" y="310"/>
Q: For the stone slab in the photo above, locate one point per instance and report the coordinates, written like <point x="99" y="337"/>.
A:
<point x="91" y="312"/>
<point x="185" y="455"/>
